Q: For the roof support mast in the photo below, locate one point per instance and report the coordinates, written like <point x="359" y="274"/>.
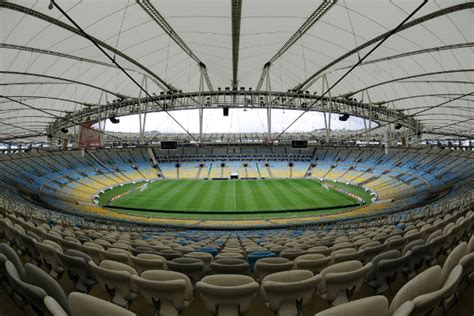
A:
<point x="313" y="18"/>
<point x="142" y="116"/>
<point x="326" y="105"/>
<point x="161" y="21"/>
<point x="459" y="7"/>
<point x="236" y="18"/>
<point x="269" y="105"/>
<point x="201" y="102"/>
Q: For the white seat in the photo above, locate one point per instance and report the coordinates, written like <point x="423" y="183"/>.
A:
<point x="148" y="261"/>
<point x="227" y="295"/>
<point x="83" y="304"/>
<point x="286" y="292"/>
<point x="341" y="280"/>
<point x="373" y="305"/>
<point x="313" y="262"/>
<point x="169" y="292"/>
<point x="426" y="282"/>
<point x="266" y="266"/>
<point x="115" y="277"/>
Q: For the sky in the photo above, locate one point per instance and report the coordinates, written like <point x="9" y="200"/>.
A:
<point x="238" y="121"/>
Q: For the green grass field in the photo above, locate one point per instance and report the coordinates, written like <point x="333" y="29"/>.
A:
<point x="231" y="198"/>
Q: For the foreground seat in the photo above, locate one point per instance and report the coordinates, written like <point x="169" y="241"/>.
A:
<point x="426" y="282"/>
<point x="168" y="291"/>
<point x="82" y="304"/>
<point x="44" y="293"/>
<point x="341" y="280"/>
<point x="373" y="305"/>
<point x="467" y="263"/>
<point x="227" y="295"/>
<point x="286" y="293"/>
<point x="15" y="282"/>
<point x="115" y="277"/>
<point x="416" y="259"/>
<point x="48" y="250"/>
<point x="385" y="269"/>
<point x="76" y="265"/>
<point x="10" y="255"/>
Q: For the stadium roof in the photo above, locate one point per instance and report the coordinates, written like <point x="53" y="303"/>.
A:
<point x="49" y="68"/>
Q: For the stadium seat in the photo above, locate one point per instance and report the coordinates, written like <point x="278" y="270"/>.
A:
<point x="83" y="304"/>
<point x="16" y="283"/>
<point x="373" y="305"/>
<point x="254" y="256"/>
<point x="227" y="295"/>
<point x="347" y="254"/>
<point x="170" y="254"/>
<point x="324" y="250"/>
<point x="435" y="249"/>
<point x="291" y="254"/>
<point x="10" y="255"/>
<point x="148" y="261"/>
<point x="194" y="268"/>
<point x="312" y="262"/>
<point x="114" y="277"/>
<point x="44" y="293"/>
<point x="467" y="263"/>
<point x="230" y="255"/>
<point x="287" y="292"/>
<point x="136" y="250"/>
<point x="93" y="250"/>
<point x="229" y="266"/>
<point x="211" y="250"/>
<point x="453" y="260"/>
<point x="168" y="291"/>
<point x="116" y="254"/>
<point x="266" y="266"/>
<point x="203" y="256"/>
<point x="31" y="251"/>
<point x="341" y="280"/>
<point x="387" y="269"/>
<point x="371" y="249"/>
<point x="48" y="250"/>
<point x="418" y="249"/>
<point x="426" y="282"/>
<point x="76" y="264"/>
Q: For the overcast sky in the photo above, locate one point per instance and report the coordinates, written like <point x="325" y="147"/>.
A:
<point x="254" y="120"/>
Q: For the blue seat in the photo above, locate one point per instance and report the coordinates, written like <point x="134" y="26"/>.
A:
<point x="212" y="251"/>
<point x="254" y="256"/>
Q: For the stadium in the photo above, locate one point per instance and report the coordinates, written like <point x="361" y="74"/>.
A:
<point x="236" y="157"/>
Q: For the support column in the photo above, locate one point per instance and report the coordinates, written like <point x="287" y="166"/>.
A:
<point x="327" y="116"/>
<point x="269" y="104"/>
<point x="386" y="136"/>
<point x="201" y="103"/>
<point x="141" y="122"/>
<point x="145" y="112"/>
<point x="368" y="126"/>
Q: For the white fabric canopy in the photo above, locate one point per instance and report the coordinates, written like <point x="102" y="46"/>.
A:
<point x="437" y="63"/>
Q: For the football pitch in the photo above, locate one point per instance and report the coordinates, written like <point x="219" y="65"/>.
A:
<point x="195" y="198"/>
